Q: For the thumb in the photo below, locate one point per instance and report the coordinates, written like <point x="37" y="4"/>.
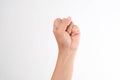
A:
<point x="65" y="23"/>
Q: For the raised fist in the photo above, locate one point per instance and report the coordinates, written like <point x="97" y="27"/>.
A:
<point x="66" y="33"/>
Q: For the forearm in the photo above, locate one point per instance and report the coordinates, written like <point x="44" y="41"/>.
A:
<point x="64" y="65"/>
<point x="67" y="36"/>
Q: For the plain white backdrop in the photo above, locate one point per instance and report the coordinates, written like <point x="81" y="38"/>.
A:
<point x="28" y="49"/>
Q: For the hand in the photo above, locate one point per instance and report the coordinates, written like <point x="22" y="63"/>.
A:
<point x="66" y="33"/>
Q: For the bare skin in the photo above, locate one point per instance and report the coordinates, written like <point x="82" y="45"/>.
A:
<point x="67" y="36"/>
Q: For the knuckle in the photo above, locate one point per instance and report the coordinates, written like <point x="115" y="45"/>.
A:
<point x="56" y="30"/>
<point x="57" y="21"/>
<point x="65" y="21"/>
<point x="75" y="28"/>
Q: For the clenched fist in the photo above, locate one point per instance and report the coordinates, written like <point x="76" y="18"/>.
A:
<point x="66" y="33"/>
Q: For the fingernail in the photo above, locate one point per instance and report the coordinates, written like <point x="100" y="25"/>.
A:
<point x="69" y="18"/>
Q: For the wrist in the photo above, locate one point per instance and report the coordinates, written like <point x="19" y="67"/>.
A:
<point x="66" y="52"/>
<point x="66" y="56"/>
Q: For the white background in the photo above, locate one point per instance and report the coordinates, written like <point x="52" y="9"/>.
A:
<point x="28" y="49"/>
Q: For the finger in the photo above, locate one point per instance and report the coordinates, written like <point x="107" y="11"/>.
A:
<point x="56" y="24"/>
<point x="65" y="23"/>
<point x="69" y="28"/>
<point x="75" y="30"/>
